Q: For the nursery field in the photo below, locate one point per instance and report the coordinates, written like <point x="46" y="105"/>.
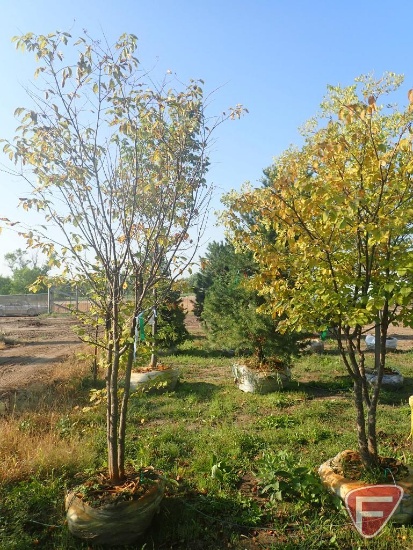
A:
<point x="242" y="467"/>
<point x="32" y="350"/>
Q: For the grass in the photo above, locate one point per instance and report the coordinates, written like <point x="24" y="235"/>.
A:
<point x="216" y="443"/>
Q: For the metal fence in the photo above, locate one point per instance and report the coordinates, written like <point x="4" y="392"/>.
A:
<point x="23" y="304"/>
<point x="54" y="301"/>
<point x="63" y="301"/>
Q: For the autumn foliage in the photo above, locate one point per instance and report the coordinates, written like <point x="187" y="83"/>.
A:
<point x="340" y="209"/>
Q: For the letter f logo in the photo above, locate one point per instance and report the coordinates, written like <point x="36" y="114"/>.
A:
<point x="370" y="507"/>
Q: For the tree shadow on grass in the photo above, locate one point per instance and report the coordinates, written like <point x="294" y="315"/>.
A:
<point x="341" y="385"/>
<point x="212" y="353"/>
<point x="331" y="352"/>
<point x="203" y="390"/>
<point x="190" y="522"/>
<point x="198" y="523"/>
<point x="396" y="396"/>
<point x="390" y="353"/>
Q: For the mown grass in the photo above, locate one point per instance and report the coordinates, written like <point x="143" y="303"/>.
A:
<point x="207" y="421"/>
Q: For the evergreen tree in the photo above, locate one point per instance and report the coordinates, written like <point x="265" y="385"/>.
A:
<point x="171" y="329"/>
<point x="229" y="307"/>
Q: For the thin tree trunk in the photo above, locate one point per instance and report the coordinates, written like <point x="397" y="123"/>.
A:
<point x="361" y="425"/>
<point x="377" y="346"/>
<point x="154" y="357"/>
<point x="109" y="434"/>
<point x="380" y="358"/>
<point x="124" y="406"/>
<point x="128" y="371"/>
<point x="355" y="368"/>
<point x="113" y="400"/>
<point x="113" y="415"/>
<point x="109" y="369"/>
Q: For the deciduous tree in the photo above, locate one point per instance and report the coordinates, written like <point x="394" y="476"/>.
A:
<point x="117" y="165"/>
<point x="341" y="210"/>
<point x="25" y="272"/>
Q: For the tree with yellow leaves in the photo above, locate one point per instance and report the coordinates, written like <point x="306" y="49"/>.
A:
<point x="340" y="212"/>
<point x="117" y="165"/>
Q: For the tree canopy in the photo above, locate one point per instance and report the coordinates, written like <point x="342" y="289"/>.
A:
<point x="340" y="210"/>
<point x="117" y="165"/>
<point x="25" y="272"/>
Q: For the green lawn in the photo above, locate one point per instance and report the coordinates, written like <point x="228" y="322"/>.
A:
<point x="207" y="425"/>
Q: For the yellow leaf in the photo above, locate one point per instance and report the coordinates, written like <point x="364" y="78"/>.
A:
<point x="404" y="144"/>
<point x="410" y="95"/>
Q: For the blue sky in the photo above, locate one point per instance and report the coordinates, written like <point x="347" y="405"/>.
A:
<point x="275" y="57"/>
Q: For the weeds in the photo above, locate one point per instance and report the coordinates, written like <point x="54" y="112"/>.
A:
<point x="273" y="421"/>
<point x="244" y="464"/>
<point x="6" y="341"/>
<point x="282" y="477"/>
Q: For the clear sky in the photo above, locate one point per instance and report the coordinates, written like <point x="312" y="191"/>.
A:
<point x="276" y="57"/>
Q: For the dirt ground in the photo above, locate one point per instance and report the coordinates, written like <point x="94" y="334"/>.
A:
<point x="35" y="348"/>
<point x="32" y="350"/>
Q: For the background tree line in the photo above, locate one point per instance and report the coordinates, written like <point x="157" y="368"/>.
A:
<point x="25" y="270"/>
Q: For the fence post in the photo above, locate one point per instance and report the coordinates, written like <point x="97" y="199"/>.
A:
<point x="49" y="300"/>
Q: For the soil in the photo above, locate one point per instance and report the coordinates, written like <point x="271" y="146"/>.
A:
<point x="98" y="490"/>
<point x="32" y="350"/>
<point x="350" y="466"/>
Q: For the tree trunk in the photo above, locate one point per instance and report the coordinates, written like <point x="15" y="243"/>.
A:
<point x="112" y="394"/>
<point x="154" y="357"/>
<point x="129" y="365"/>
<point x="380" y="364"/>
<point x="377" y="347"/>
<point x="124" y="405"/>
<point x="365" y="407"/>
<point x="361" y="424"/>
<point x="112" y="419"/>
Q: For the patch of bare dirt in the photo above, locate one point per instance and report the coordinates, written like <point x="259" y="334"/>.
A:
<point x="33" y="350"/>
<point x="193" y="324"/>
